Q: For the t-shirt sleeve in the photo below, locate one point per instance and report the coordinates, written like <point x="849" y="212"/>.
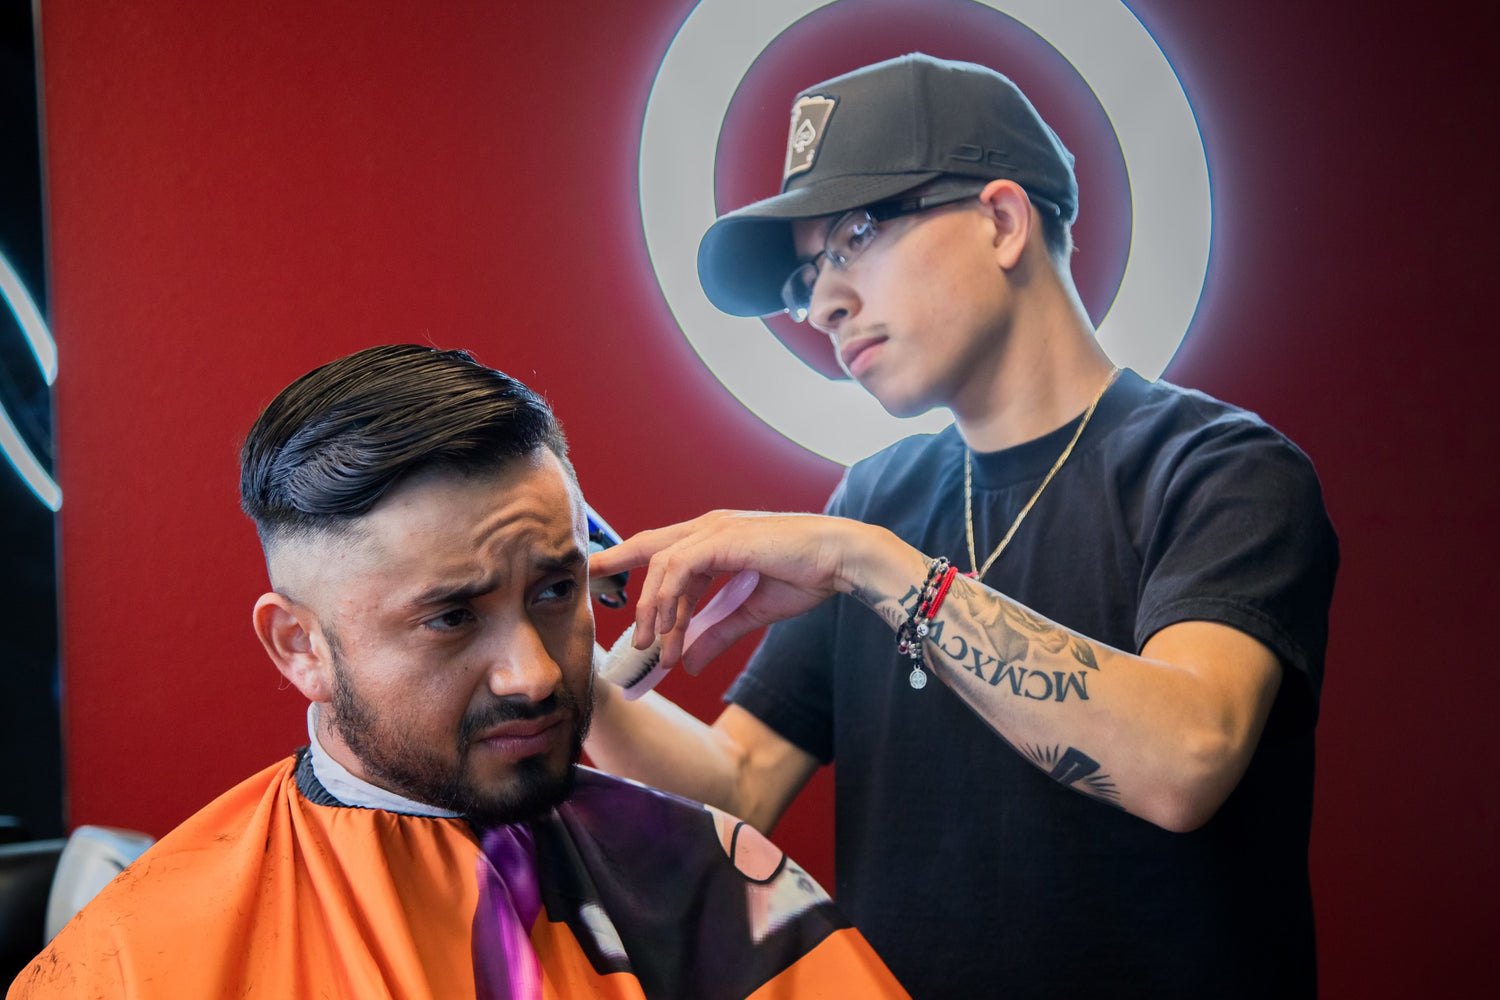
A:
<point x="788" y="683"/>
<point x="1241" y="538"/>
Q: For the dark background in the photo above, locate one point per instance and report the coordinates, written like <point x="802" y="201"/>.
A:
<point x="30" y="748"/>
<point x="237" y="193"/>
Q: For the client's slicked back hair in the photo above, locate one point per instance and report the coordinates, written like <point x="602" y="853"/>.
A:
<point x="331" y="444"/>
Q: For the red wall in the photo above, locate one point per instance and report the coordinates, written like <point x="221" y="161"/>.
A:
<point x="238" y="192"/>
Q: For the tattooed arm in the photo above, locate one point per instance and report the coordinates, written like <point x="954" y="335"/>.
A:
<point x="1165" y="735"/>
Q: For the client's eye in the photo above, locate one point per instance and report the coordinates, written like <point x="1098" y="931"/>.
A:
<point x="452" y="619"/>
<point x="560" y="590"/>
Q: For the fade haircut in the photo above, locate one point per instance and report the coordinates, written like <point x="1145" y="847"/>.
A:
<point x="332" y="443"/>
<point x="1057" y="236"/>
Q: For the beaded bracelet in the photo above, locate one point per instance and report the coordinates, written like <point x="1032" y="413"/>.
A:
<point x="911" y="632"/>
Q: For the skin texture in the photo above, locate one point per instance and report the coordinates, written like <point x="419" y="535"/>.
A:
<point x="959" y="307"/>
<point x="449" y="637"/>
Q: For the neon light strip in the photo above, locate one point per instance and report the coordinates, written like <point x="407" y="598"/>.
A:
<point x="30" y="318"/>
<point x="25" y="463"/>
<point x="45" y="349"/>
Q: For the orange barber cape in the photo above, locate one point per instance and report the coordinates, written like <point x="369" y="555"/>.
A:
<point x="277" y="890"/>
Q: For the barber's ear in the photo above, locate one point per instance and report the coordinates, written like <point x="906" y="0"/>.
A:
<point x="294" y="641"/>
<point x="1007" y="205"/>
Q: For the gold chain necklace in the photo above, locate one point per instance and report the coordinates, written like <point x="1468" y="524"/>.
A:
<point x="979" y="571"/>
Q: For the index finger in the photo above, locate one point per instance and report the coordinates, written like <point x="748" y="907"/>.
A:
<point x="635" y="551"/>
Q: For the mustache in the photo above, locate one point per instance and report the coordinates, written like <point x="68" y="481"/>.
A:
<point x="515" y="710"/>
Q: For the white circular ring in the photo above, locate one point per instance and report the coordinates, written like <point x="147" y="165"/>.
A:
<point x="1158" y="135"/>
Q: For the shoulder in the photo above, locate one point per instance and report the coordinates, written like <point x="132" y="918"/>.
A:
<point x="909" y="454"/>
<point x="1169" y="433"/>
<point x="1182" y="417"/>
<point x="202" y="842"/>
<point x="161" y="896"/>
<point x="915" y="460"/>
<point x="646" y="836"/>
<point x="606" y="798"/>
<point x="706" y="882"/>
<point x="625" y="819"/>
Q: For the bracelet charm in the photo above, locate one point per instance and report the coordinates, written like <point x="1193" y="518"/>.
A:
<point x="918" y="624"/>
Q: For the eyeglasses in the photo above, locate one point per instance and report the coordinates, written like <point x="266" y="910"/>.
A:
<point x="851" y="235"/>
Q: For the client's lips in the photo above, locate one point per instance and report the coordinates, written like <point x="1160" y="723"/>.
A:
<point x="524" y="737"/>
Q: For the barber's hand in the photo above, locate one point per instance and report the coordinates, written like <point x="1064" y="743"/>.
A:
<point x="802" y="559"/>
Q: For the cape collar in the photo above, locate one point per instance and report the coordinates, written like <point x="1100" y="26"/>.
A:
<point x="352" y="791"/>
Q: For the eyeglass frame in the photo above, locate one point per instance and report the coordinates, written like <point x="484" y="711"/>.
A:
<point x="875" y="214"/>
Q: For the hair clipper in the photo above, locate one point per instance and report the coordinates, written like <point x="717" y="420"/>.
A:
<point x="607" y="590"/>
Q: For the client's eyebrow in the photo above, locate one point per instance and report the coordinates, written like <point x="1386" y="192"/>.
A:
<point x="448" y="593"/>
<point x="568" y="562"/>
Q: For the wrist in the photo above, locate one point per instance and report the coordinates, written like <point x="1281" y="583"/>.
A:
<point x="881" y="566"/>
<point x="912" y="633"/>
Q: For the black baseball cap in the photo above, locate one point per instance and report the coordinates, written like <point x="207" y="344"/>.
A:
<point x="873" y="134"/>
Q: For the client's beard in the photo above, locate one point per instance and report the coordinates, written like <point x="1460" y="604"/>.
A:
<point x="420" y="772"/>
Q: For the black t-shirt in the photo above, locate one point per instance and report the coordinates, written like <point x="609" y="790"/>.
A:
<point x="971" y="871"/>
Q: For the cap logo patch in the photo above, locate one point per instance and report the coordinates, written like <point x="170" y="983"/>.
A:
<point x="809" y="122"/>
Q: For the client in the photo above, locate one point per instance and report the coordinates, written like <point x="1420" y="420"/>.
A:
<point x="426" y="543"/>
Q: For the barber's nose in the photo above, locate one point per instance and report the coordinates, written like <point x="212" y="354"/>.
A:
<point x="522" y="667"/>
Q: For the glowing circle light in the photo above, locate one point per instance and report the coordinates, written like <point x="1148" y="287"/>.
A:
<point x="1112" y="51"/>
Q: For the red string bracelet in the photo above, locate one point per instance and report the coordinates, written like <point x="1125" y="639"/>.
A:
<point x="910" y="633"/>
<point x="937" y="601"/>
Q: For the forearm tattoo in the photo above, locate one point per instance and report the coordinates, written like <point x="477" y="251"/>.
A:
<point x="989" y="637"/>
<point x="1074" y="768"/>
<point x="893" y="612"/>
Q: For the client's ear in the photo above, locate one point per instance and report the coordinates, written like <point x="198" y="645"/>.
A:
<point x="294" y="640"/>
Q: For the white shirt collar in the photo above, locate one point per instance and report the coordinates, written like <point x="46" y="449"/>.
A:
<point x="354" y="791"/>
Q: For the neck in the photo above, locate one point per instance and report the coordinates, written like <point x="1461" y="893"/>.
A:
<point x="1046" y="377"/>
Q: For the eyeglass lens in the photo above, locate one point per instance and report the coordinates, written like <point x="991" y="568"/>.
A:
<point x="849" y="236"/>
